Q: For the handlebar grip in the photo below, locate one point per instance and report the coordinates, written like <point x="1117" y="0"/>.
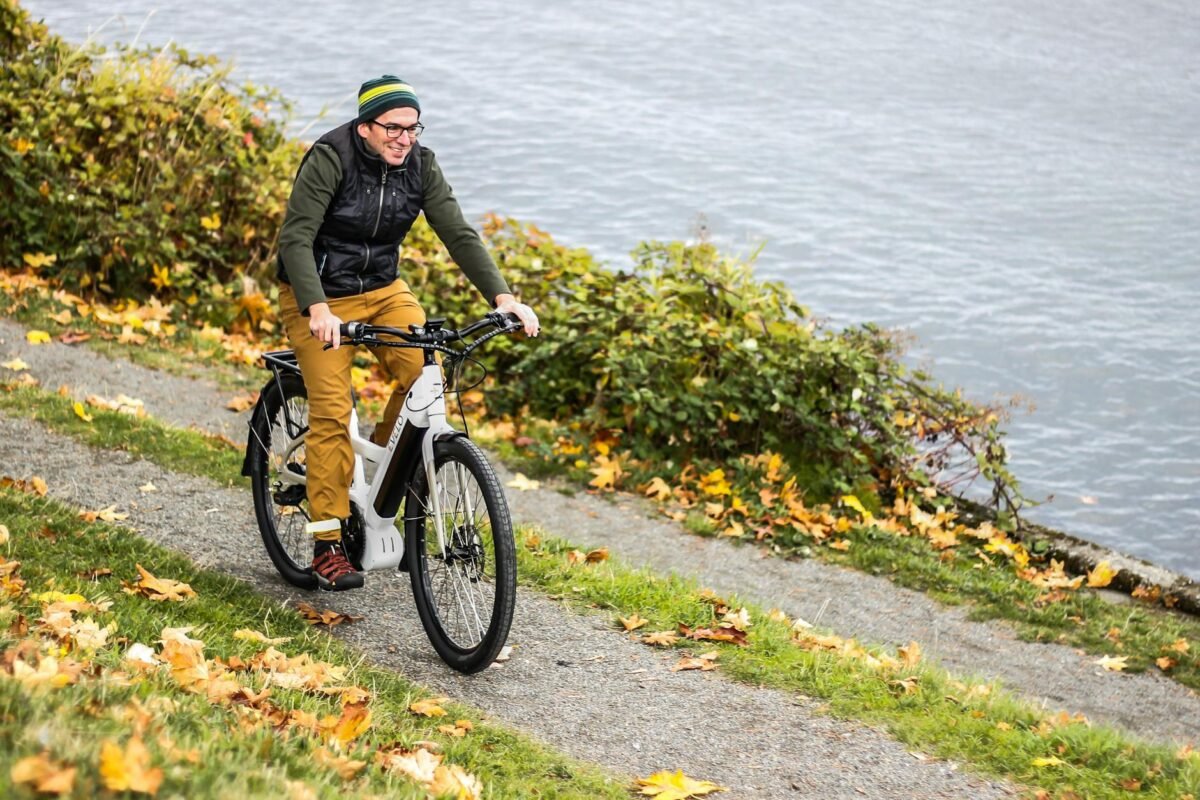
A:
<point x="351" y="330"/>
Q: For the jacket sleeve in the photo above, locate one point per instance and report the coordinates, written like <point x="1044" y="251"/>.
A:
<point x="463" y="241"/>
<point x="316" y="184"/>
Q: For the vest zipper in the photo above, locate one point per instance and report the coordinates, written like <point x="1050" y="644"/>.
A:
<point x="375" y="230"/>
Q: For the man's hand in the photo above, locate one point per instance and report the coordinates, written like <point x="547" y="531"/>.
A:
<point x="326" y="326"/>
<point x="507" y="304"/>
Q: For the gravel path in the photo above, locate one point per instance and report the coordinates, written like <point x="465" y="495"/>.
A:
<point x="572" y="681"/>
<point x="855" y="604"/>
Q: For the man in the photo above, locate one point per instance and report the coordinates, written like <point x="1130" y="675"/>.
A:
<point x="358" y="191"/>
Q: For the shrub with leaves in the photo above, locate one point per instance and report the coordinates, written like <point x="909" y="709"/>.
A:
<point x="141" y="172"/>
<point x="689" y="357"/>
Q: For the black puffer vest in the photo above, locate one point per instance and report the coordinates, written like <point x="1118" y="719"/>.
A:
<point x="357" y="246"/>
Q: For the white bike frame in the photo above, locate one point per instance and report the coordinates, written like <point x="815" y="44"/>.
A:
<point x="424" y="408"/>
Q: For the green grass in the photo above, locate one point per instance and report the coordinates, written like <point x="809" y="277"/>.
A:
<point x="55" y="547"/>
<point x="984" y="727"/>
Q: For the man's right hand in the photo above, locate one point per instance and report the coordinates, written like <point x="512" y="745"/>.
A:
<point x="324" y="324"/>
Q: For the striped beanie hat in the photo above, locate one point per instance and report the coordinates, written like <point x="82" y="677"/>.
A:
<point x="383" y="94"/>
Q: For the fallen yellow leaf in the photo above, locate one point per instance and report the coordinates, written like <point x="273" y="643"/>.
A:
<point x="523" y="484"/>
<point x="910" y="655"/>
<point x="81" y="413"/>
<point x="355" y="720"/>
<point x="661" y="638"/>
<point x="37" y="337"/>
<point x="431" y="707"/>
<point x="1113" y="663"/>
<point x="632" y="622"/>
<point x="658" y="489"/>
<point x="16" y="365"/>
<point x="453" y="781"/>
<point x="211" y="223"/>
<point x="1101" y="576"/>
<point x="254" y="636"/>
<point x="675" y="786"/>
<point x="419" y="764"/>
<point x="159" y="589"/>
<point x="129" y="769"/>
<point x="44" y="775"/>
<point x="705" y="662"/>
<point x="1047" y="761"/>
<point x="344" y="766"/>
<point x="39" y="486"/>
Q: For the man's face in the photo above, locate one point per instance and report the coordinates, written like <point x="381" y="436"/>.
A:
<point x="392" y="151"/>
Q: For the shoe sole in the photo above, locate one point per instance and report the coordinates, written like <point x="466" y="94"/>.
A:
<point x="326" y="585"/>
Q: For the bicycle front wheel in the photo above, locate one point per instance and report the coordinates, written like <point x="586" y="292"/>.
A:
<point x="465" y="586"/>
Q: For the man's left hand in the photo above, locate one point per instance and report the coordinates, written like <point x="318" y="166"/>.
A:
<point x="507" y="304"/>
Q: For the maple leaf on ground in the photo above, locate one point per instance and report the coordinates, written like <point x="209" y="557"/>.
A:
<point x="661" y="638"/>
<point x="459" y="729"/>
<point x="344" y="766"/>
<point x="355" y="719"/>
<point x="106" y="514"/>
<point x="1113" y="663"/>
<point x="658" y="489"/>
<point x="160" y="589"/>
<point x="44" y="775"/>
<point x="419" y="764"/>
<point x="430" y="707"/>
<point x="1047" y="761"/>
<point x="129" y="769"/>
<point x="632" y="622"/>
<point x="327" y="617"/>
<point x="243" y="402"/>
<point x="39" y="486"/>
<point x="910" y="654"/>
<point x="1101" y="576"/>
<point x="81" y="412"/>
<point x="705" y="662"/>
<point x="721" y="634"/>
<point x="16" y="365"/>
<point x="675" y="786"/>
<point x="454" y="781"/>
<point x="254" y="636"/>
<point x="37" y="337"/>
<point x="523" y="484"/>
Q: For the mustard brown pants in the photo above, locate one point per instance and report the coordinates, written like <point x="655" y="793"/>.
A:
<point x="329" y="455"/>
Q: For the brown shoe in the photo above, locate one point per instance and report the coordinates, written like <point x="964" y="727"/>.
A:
<point x="333" y="570"/>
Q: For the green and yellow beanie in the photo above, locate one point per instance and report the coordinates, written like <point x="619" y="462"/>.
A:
<point x="383" y="94"/>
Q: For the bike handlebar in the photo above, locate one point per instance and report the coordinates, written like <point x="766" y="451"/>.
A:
<point x="431" y="333"/>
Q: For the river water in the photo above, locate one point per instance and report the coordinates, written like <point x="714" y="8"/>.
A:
<point x="1015" y="183"/>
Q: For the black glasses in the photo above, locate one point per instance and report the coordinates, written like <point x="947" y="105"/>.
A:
<point x="396" y="131"/>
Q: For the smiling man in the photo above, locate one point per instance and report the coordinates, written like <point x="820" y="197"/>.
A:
<point x="357" y="193"/>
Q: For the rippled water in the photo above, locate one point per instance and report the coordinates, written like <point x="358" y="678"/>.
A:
<point x="1018" y="183"/>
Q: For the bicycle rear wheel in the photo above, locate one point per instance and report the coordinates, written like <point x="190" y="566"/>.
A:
<point x="466" y="592"/>
<point x="281" y="507"/>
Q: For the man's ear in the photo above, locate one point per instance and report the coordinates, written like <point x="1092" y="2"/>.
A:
<point x="362" y="129"/>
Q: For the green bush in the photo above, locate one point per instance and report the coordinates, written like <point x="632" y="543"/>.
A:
<point x="139" y="171"/>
